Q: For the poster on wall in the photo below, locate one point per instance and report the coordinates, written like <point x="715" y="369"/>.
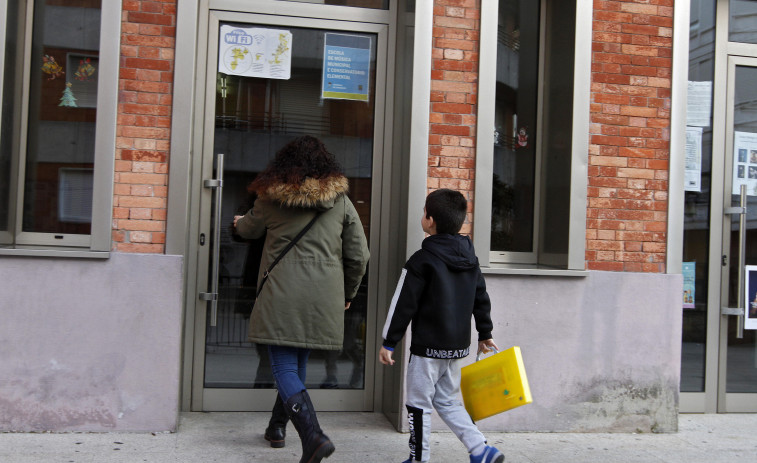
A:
<point x="689" y="284"/>
<point x="745" y="162"/>
<point x="255" y="52"/>
<point x="346" y="67"/>
<point x="750" y="315"/>
<point x="699" y="104"/>
<point x="693" y="173"/>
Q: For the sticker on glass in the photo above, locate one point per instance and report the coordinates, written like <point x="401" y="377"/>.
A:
<point x="255" y="52"/>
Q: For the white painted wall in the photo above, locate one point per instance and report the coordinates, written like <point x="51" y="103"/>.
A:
<point x="94" y="345"/>
<point x="602" y="352"/>
<point x="90" y="345"/>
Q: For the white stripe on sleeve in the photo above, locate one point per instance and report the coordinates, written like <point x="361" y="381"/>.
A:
<point x="394" y="302"/>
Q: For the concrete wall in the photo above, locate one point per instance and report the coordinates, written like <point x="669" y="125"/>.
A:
<point x="602" y="353"/>
<point x="90" y="345"/>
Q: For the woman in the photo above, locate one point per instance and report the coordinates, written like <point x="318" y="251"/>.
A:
<point x="301" y="305"/>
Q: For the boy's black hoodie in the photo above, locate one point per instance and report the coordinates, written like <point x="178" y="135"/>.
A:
<point x="441" y="286"/>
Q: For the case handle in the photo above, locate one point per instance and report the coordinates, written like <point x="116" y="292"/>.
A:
<point x="478" y="355"/>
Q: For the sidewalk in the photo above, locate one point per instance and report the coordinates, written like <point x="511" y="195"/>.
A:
<point x="368" y="437"/>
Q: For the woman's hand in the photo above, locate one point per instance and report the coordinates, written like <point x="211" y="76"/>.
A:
<point x="236" y="219"/>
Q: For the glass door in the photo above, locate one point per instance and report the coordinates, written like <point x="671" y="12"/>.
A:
<point x="737" y="378"/>
<point x="268" y="80"/>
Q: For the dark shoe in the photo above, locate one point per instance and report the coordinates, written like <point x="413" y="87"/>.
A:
<point x="276" y="437"/>
<point x="277" y="427"/>
<point x="315" y="445"/>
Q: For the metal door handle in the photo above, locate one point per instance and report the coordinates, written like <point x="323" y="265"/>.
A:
<point x="212" y="296"/>
<point x="739" y="311"/>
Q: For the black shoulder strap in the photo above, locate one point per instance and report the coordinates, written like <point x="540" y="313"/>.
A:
<point x="286" y="250"/>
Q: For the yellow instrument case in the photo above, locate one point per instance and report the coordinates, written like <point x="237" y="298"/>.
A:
<point x="495" y="384"/>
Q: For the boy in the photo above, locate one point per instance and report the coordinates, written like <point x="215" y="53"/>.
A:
<point x="441" y="286"/>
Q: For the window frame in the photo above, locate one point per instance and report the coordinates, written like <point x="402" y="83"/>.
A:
<point x="98" y="242"/>
<point x="579" y="146"/>
<point x="5" y="235"/>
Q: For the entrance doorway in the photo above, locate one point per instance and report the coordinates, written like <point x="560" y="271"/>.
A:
<point x="719" y="356"/>
<point x="737" y="380"/>
<point x="251" y="109"/>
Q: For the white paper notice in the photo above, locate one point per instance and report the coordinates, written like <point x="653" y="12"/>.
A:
<point x="750" y="289"/>
<point x="255" y="52"/>
<point x="745" y="162"/>
<point x="699" y="104"/>
<point x="693" y="174"/>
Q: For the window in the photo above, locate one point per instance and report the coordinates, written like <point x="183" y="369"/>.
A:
<point x="531" y="97"/>
<point x="58" y="93"/>
<point x="742" y="24"/>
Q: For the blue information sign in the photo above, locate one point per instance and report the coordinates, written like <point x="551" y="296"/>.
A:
<point x="346" y="67"/>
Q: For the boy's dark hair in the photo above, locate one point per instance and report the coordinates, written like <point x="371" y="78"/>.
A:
<point x="447" y="208"/>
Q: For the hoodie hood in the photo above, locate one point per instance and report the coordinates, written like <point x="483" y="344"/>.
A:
<point x="312" y="193"/>
<point x="456" y="251"/>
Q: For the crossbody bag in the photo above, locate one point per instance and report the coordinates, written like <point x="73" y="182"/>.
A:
<point x="283" y="252"/>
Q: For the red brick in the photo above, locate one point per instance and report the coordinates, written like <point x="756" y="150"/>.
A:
<point x="141" y="225"/>
<point x="613" y="99"/>
<point x="611" y="78"/>
<point x="152" y="64"/>
<point x="632" y="246"/>
<point x="653" y="268"/>
<point x="143" y="155"/>
<point x="149" y="18"/>
<point x="606" y="266"/>
<point x="139" y="248"/>
<point x="147" y="179"/>
<point x="147" y="40"/>
<point x="640" y="29"/>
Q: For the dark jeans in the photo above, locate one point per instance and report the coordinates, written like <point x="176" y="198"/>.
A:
<point x="289" y="365"/>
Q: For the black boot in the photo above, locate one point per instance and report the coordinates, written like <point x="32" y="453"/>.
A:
<point x="277" y="427"/>
<point x="315" y="444"/>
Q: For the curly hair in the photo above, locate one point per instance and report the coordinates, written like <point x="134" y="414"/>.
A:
<point x="305" y="156"/>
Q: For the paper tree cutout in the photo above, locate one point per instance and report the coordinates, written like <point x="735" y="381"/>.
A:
<point x="51" y="67"/>
<point x="68" y="99"/>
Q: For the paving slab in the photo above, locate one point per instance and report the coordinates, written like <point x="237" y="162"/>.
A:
<point x="370" y="438"/>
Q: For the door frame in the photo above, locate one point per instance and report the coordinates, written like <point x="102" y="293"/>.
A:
<point x="201" y="399"/>
<point x="715" y="399"/>
<point x="729" y="402"/>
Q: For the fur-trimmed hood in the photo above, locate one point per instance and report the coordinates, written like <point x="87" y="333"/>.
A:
<point x="311" y="193"/>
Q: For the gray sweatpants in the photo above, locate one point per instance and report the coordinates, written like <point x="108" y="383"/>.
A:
<point x="436" y="383"/>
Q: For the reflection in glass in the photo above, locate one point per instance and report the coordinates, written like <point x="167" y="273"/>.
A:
<point x="62" y="111"/>
<point x="742" y="26"/>
<point x="696" y="233"/>
<point x="8" y="121"/>
<point x="378" y="4"/>
<point x="557" y="132"/>
<point x="254" y="118"/>
<point x="515" y="126"/>
<point x="741" y="374"/>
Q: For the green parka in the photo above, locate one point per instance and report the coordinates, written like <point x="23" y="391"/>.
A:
<point x="302" y="303"/>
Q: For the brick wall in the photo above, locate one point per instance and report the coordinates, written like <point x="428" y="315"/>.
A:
<point x="454" y="88"/>
<point x="148" y="30"/>
<point x="629" y="148"/>
<point x="630" y="114"/>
